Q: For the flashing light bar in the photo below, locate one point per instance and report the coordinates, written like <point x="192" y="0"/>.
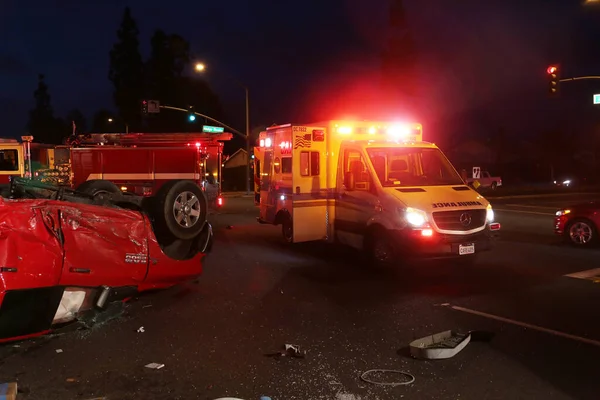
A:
<point x="394" y="132"/>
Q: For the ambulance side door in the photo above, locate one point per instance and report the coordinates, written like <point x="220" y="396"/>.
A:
<point x="356" y="200"/>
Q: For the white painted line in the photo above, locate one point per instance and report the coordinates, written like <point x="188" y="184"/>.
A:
<point x="535" y="196"/>
<point x="531" y="206"/>
<point x="522" y="211"/>
<point x="590" y="273"/>
<point x="529" y="326"/>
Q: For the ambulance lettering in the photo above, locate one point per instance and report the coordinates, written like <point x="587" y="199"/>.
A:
<point x="457" y="204"/>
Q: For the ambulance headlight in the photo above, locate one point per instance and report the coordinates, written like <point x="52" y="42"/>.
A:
<point x="415" y="217"/>
<point x="489" y="215"/>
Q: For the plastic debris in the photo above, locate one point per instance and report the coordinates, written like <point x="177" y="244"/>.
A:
<point x="141" y="329"/>
<point x="154" y="365"/>
<point x="8" y="391"/>
<point x="410" y="377"/>
<point x="59" y="350"/>
<point x="290" y="350"/>
<point x="439" y="345"/>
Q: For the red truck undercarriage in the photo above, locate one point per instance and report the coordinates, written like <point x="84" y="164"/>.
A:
<point x="65" y="253"/>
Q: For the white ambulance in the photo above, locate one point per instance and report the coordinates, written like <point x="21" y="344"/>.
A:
<point x="375" y="186"/>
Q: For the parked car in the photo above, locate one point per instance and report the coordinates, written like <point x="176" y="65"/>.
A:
<point x="61" y="255"/>
<point x="486" y="181"/>
<point x="579" y="224"/>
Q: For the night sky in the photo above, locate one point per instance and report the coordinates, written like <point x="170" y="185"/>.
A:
<point x="297" y="56"/>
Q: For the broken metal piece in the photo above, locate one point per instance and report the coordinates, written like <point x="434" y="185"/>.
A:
<point x="290" y="350"/>
<point x="439" y="345"/>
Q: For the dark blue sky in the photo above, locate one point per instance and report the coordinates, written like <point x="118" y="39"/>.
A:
<point x="295" y="55"/>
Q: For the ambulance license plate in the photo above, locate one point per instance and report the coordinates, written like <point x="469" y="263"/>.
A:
<point x="464" y="249"/>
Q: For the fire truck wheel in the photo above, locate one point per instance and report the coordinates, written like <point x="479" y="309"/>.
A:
<point x="181" y="209"/>
<point x="98" y="188"/>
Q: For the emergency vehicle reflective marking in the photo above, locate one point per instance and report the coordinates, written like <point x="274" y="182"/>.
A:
<point x="457" y="204"/>
<point x="142" y="176"/>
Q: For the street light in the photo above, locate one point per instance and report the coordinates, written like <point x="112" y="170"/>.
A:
<point x="200" y="67"/>
<point x="110" y="120"/>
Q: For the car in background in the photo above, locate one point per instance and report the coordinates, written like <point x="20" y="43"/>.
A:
<point x="579" y="223"/>
<point x="64" y="255"/>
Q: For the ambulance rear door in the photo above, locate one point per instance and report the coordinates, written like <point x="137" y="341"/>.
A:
<point x="309" y="183"/>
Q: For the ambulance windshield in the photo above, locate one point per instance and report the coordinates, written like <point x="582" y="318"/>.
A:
<point x="412" y="167"/>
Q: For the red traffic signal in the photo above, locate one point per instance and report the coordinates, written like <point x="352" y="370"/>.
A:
<point x="552" y="69"/>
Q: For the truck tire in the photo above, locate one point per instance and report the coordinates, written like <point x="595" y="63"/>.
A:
<point x="98" y="189"/>
<point x="494" y="185"/>
<point x="181" y="208"/>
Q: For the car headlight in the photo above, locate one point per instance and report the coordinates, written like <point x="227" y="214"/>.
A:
<point x="415" y="217"/>
<point x="489" y="214"/>
<point x="560" y="213"/>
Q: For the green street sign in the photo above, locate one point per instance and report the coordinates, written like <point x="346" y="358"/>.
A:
<point x="212" y="129"/>
<point x="597" y="99"/>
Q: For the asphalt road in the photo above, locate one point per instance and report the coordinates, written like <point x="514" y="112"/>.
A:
<point x="258" y="294"/>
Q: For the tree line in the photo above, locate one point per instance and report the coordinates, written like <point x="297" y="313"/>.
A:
<point x="160" y="76"/>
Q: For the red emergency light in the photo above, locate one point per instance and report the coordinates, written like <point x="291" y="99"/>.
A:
<point x="219" y="201"/>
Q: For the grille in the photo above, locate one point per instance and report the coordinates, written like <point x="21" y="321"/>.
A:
<point x="456" y="220"/>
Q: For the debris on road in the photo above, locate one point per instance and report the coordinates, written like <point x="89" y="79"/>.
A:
<point x="439" y="345"/>
<point x="141" y="329"/>
<point x="290" y="350"/>
<point x="380" y="372"/>
<point x="154" y="365"/>
<point x="8" y="391"/>
<point x="59" y="350"/>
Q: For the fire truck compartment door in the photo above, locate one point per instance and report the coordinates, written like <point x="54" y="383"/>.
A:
<point x="103" y="246"/>
<point x="310" y="196"/>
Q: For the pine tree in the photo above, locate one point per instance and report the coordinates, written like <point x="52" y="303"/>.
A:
<point x="41" y="118"/>
<point x="126" y="71"/>
<point x="399" y="61"/>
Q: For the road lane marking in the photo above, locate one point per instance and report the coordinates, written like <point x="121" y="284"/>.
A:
<point x="589" y="274"/>
<point x="522" y="211"/>
<point x="531" y="206"/>
<point x="526" y="325"/>
<point x="542" y="196"/>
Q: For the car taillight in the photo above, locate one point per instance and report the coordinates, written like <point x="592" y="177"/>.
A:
<point x="219" y="201"/>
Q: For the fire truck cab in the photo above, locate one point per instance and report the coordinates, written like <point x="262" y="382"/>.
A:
<point x="375" y="186"/>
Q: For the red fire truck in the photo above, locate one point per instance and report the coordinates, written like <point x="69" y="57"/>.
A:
<point x="180" y="170"/>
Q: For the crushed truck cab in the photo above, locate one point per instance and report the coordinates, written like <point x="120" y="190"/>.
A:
<point x="372" y="185"/>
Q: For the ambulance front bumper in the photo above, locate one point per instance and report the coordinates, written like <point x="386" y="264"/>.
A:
<point x="413" y="243"/>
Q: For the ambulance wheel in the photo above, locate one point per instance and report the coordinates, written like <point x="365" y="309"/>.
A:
<point x="99" y="189"/>
<point x="287" y="229"/>
<point x="379" y="248"/>
<point x="181" y="209"/>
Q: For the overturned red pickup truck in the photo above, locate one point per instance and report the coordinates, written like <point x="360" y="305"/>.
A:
<point x="63" y="252"/>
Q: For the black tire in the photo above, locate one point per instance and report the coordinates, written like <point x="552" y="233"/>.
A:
<point x="181" y="208"/>
<point x="99" y="189"/>
<point x="379" y="248"/>
<point x="287" y="229"/>
<point x="494" y="185"/>
<point x="578" y="229"/>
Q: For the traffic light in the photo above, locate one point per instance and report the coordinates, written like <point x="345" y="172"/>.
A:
<point x="553" y="79"/>
<point x="191" y="114"/>
<point x="144" y="107"/>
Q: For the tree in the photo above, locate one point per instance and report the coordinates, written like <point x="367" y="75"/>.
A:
<point x="100" y="121"/>
<point x="399" y="60"/>
<point x="80" y="122"/>
<point x="126" y="71"/>
<point x="42" y="124"/>
<point x="167" y="83"/>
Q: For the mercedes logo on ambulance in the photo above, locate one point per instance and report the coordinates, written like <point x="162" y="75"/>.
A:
<point x="465" y="219"/>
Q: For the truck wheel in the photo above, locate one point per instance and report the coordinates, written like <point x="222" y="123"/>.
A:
<point x="181" y="208"/>
<point x="494" y="185"/>
<point x="99" y="189"/>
